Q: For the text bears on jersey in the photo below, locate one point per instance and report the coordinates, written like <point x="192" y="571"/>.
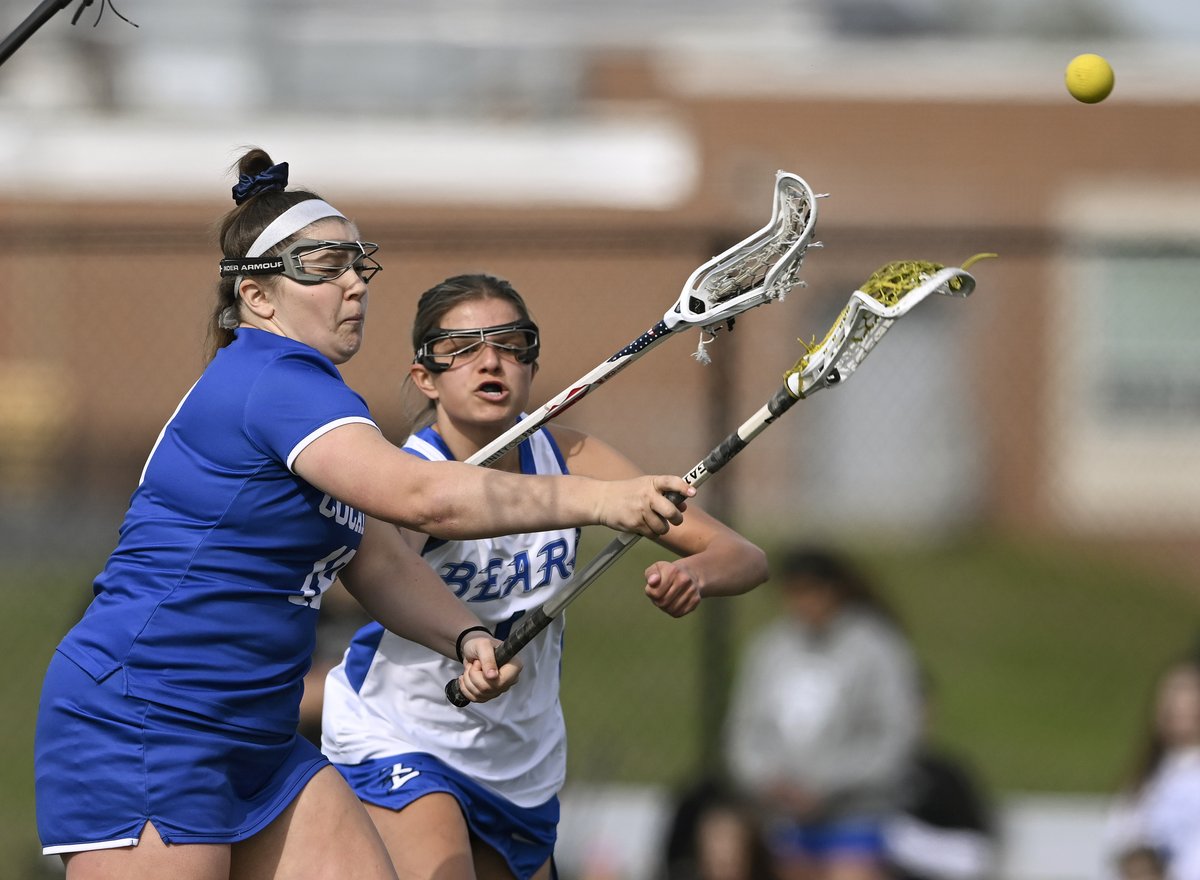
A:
<point x="501" y="576"/>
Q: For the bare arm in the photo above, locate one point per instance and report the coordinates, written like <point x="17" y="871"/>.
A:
<point x="358" y="466"/>
<point x="714" y="559"/>
<point x="397" y="588"/>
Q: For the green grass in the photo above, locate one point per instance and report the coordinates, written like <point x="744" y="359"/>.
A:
<point x="1043" y="657"/>
<point x="39" y="606"/>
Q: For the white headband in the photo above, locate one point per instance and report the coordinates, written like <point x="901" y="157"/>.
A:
<point x="290" y="222"/>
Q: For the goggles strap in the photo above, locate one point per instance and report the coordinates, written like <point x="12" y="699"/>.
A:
<point x="287" y="224"/>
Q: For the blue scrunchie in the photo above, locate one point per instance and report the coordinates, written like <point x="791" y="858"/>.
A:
<point x="275" y="177"/>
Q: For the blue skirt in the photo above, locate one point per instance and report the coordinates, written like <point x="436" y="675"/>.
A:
<point x="107" y="763"/>
<point x="524" y="836"/>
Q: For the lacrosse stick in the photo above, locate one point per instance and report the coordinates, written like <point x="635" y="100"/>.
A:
<point x="44" y="12"/>
<point x="762" y="268"/>
<point x="889" y="294"/>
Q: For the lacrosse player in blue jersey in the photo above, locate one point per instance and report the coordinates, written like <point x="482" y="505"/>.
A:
<point x="466" y="793"/>
<point x="166" y="743"/>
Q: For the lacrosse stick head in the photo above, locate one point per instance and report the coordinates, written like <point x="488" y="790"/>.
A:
<point x="891" y="292"/>
<point x="761" y="268"/>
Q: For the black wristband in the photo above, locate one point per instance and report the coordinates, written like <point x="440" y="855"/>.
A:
<point x="458" y="643"/>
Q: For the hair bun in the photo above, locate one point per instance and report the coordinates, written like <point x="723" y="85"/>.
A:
<point x="248" y="185"/>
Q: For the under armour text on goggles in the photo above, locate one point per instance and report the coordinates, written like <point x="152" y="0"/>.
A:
<point x="442" y="348"/>
<point x="310" y="261"/>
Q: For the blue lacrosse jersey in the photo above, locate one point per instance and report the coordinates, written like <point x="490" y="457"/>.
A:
<point x="210" y="600"/>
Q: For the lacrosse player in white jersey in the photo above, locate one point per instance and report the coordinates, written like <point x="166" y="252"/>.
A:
<point x="473" y="793"/>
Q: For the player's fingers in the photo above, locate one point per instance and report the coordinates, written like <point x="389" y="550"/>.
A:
<point x="678" y="485"/>
<point x="482" y="649"/>
<point x="686" y="590"/>
<point x="689" y="604"/>
<point x="651" y="522"/>
<point x="478" y="688"/>
<point x="467" y="688"/>
<point x="636" y="506"/>
<point x="656" y="594"/>
<point x="663" y="514"/>
<point x="684" y="597"/>
<point x="660" y="579"/>
<point x="675" y="491"/>
<point x="677" y="604"/>
<point x="509" y="673"/>
<point x="671" y="589"/>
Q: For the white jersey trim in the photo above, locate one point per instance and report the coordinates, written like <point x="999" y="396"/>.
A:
<point x="163" y="432"/>
<point x="423" y="448"/>
<point x="84" y="847"/>
<point x="322" y="431"/>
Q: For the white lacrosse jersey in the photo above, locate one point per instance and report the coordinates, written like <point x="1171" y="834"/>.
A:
<point x="388" y="695"/>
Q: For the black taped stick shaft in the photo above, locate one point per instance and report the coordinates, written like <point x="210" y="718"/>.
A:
<point x="521" y="635"/>
<point x="529" y="626"/>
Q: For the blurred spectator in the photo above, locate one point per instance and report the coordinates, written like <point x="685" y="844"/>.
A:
<point x="824" y="719"/>
<point x="1141" y="863"/>
<point x="715" y="835"/>
<point x="1160" y="809"/>
<point x="945" y="828"/>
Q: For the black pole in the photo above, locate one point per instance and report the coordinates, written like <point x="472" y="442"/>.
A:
<point x="716" y="643"/>
<point x="25" y="29"/>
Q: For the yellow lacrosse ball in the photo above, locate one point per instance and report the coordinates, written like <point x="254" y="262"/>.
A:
<point x="1089" y="78"/>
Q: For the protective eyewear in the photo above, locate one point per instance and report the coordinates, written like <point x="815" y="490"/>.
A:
<point x="309" y="261"/>
<point x="442" y="348"/>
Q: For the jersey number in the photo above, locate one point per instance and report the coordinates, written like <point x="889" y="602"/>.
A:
<point x="324" y="573"/>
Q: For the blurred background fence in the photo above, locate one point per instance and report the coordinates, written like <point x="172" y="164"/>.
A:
<point x="1021" y="470"/>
